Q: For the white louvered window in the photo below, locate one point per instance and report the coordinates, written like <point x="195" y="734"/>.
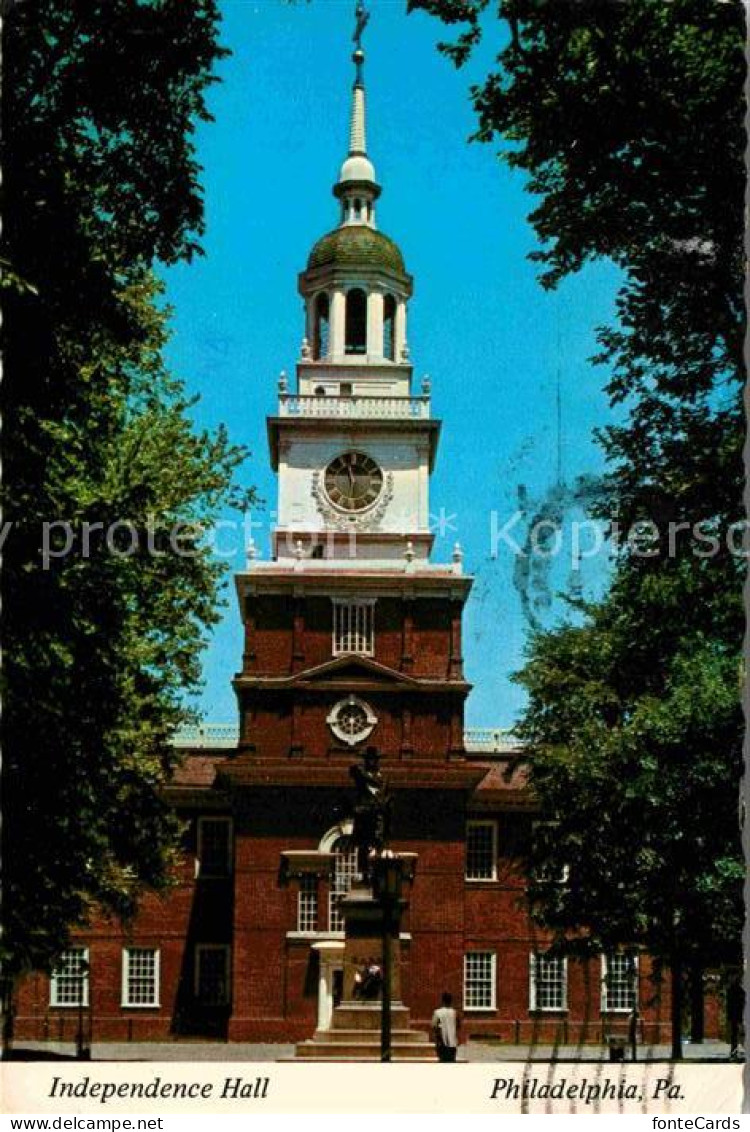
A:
<point x="345" y="870"/>
<point x="481" y="850"/>
<point x="479" y="980"/>
<point x="548" y="982"/>
<point x="619" y="981"/>
<point x="353" y="627"/>
<point x="140" y="976"/>
<point x="70" y="979"/>
<point x="307" y="904"/>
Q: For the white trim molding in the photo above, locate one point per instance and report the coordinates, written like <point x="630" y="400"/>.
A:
<point x="354" y="704"/>
<point x="628" y="956"/>
<point x="477" y="823"/>
<point x="128" y="953"/>
<point x="63" y="979"/>
<point x="471" y="982"/>
<point x="535" y="957"/>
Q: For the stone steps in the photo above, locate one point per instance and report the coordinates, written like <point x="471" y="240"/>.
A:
<point x="317" y="1050"/>
<point x="410" y="1037"/>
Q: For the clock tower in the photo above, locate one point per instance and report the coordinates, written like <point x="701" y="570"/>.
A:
<point x="352" y="632"/>
<point x="352" y="443"/>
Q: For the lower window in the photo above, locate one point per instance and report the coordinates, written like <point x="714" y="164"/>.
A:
<point x="619" y="981"/>
<point x="479" y="980"/>
<point x="212" y="974"/>
<point x="548" y="985"/>
<point x="70" y="979"/>
<point x="140" y="976"/>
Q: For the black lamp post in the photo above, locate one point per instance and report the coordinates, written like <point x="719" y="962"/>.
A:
<point x="388" y="876"/>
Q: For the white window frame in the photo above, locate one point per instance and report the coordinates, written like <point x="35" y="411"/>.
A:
<point x="484" y="823"/>
<point x="200" y="949"/>
<point x="360" y="626"/>
<point x="126" y="956"/>
<point x="605" y="1008"/>
<point x="200" y="871"/>
<point x="492" y="1005"/>
<point x="308" y="891"/>
<point x="54" y="988"/>
<point x="337" y="890"/>
<point x="533" y="985"/>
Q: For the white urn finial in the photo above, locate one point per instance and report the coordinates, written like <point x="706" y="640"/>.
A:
<point x="283" y="383"/>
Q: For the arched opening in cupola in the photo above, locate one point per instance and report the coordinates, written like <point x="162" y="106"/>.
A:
<point x="389" y="328"/>
<point x="356" y="322"/>
<point x="321" y="327"/>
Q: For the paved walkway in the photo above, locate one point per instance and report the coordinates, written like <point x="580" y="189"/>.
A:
<point x="242" y="1051"/>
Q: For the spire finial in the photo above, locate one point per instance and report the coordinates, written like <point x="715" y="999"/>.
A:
<point x="361" y="15"/>
<point x="356" y="187"/>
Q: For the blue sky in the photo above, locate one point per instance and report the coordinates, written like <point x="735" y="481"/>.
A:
<point x="494" y="343"/>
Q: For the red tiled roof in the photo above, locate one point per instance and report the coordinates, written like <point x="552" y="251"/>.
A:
<point x="198" y="769"/>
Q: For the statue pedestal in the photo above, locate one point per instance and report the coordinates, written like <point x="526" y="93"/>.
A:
<point x="366" y="925"/>
<point x="372" y="939"/>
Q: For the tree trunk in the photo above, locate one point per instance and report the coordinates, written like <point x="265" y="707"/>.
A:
<point x="697" y="1012"/>
<point x="7" y="1009"/>
<point x="676" y="969"/>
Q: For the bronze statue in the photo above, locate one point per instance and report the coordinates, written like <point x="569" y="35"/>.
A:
<point x="372" y="811"/>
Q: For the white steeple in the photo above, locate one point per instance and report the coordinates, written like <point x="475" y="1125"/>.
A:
<point x="356" y="187"/>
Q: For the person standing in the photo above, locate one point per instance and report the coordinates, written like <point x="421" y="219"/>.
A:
<point x="445" y="1029"/>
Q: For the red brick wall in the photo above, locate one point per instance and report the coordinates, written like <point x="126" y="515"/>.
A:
<point x="273" y="642"/>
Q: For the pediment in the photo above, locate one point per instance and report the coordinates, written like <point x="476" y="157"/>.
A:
<point x="353" y="671"/>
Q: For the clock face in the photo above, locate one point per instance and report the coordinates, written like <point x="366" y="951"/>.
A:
<point x="353" y="481"/>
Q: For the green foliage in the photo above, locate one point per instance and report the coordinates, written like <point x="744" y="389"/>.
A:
<point x="100" y="647"/>
<point x="628" y="120"/>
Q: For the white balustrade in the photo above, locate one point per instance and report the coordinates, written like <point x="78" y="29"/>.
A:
<point x="222" y="735"/>
<point x="393" y="408"/>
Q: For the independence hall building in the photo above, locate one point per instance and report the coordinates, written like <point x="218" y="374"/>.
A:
<point x="352" y="639"/>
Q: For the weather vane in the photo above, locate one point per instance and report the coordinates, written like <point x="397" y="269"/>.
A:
<point x="362" y="16"/>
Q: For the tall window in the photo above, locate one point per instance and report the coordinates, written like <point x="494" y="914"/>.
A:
<point x="344" y="872"/>
<point x="481" y="850"/>
<point x="619" y="981"/>
<point x="353" y="627"/>
<point x="214" y="846"/>
<point x="212" y="974"/>
<point x="389" y="328"/>
<point x="321" y="327"/>
<point x="356" y="322"/>
<point x="548" y="982"/>
<point x="70" y="979"/>
<point x="479" y="980"/>
<point x="307" y="904"/>
<point x="140" y="976"/>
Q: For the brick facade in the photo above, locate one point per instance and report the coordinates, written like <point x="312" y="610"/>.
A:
<point x="279" y="801"/>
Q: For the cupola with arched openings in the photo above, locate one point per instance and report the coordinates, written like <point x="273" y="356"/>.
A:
<point x="355" y="286"/>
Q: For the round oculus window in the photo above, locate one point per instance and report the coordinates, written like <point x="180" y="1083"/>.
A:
<point x="351" y="720"/>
